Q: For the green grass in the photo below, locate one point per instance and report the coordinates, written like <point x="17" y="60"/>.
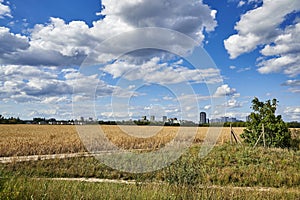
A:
<point x="226" y="166"/>
<point x="22" y="188"/>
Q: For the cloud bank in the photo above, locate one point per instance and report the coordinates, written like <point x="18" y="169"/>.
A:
<point x="275" y="29"/>
<point x="65" y="44"/>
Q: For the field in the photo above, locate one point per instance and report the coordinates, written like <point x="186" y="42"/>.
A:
<point x="228" y="172"/>
<point x="23" y="140"/>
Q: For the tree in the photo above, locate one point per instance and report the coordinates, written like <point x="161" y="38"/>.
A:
<point x="276" y="130"/>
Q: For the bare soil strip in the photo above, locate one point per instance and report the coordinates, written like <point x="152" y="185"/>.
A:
<point x="90" y="180"/>
<point x="96" y="180"/>
<point x="15" y="159"/>
<point x="4" y="160"/>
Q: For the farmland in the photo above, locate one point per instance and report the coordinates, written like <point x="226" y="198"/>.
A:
<point x="23" y="140"/>
<point x="228" y="172"/>
<point x="20" y="140"/>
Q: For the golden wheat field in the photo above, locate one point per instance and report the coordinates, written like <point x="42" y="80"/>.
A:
<point x="22" y="140"/>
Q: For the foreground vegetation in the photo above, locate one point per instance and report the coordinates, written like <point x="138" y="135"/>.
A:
<point x="22" y="188"/>
<point x="215" y="177"/>
<point x="225" y="165"/>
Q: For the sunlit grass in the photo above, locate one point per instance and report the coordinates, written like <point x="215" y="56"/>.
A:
<point x="20" y="140"/>
<point x="24" y="188"/>
<point x="225" y="165"/>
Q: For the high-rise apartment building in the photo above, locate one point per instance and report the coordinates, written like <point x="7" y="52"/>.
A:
<point x="202" y="118"/>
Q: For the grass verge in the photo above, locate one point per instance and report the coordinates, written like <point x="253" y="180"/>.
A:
<point x="225" y="165"/>
<point x="24" y="188"/>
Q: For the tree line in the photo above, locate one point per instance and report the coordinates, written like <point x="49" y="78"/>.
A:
<point x="10" y="120"/>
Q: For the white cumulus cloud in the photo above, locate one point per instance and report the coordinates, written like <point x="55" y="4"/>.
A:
<point x="261" y="27"/>
<point x="285" y="49"/>
<point x="294" y="85"/>
<point x="4" y="10"/>
<point x="10" y="42"/>
<point x="225" y="90"/>
<point x="292" y="113"/>
<point x="66" y="44"/>
<point x="188" y="17"/>
<point x="154" y="71"/>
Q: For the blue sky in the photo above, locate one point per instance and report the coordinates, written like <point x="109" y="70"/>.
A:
<point x="116" y="60"/>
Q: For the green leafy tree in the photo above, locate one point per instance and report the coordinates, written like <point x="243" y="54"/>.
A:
<point x="276" y="130"/>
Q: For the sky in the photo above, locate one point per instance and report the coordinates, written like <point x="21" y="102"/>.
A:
<point x="120" y="60"/>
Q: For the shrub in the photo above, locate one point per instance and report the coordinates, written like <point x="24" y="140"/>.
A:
<point x="276" y="130"/>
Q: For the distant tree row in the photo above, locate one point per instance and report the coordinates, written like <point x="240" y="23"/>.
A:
<point x="10" y="120"/>
<point x="293" y="124"/>
<point x="226" y="124"/>
<point x="107" y="122"/>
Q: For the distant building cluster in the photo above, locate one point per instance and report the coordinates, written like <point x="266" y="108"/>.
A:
<point x="152" y="118"/>
<point x="224" y="120"/>
<point x="52" y="121"/>
<point x="205" y="120"/>
<point x="165" y="118"/>
<point x="172" y="121"/>
<point x="165" y="121"/>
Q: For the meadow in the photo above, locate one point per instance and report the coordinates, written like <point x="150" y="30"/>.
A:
<point x="229" y="171"/>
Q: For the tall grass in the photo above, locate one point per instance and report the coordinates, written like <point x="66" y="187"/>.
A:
<point x="226" y="165"/>
<point x="20" y="188"/>
<point x="238" y="166"/>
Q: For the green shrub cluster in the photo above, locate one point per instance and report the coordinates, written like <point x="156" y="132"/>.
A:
<point x="264" y="121"/>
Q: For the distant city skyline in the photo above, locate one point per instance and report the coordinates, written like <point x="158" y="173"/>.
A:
<point x="203" y="119"/>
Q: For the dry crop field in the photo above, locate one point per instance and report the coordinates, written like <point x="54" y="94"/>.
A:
<point x="22" y="140"/>
<point x="19" y="140"/>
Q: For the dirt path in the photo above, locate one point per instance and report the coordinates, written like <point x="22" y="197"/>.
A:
<point x="131" y="182"/>
<point x="91" y="180"/>
<point x="42" y="157"/>
<point x="13" y="159"/>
